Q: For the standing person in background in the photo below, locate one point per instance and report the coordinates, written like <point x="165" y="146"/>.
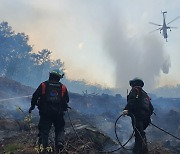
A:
<point x="140" y="109"/>
<point x="51" y="97"/>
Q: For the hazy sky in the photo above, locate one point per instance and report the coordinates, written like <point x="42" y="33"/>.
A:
<point x="102" y="41"/>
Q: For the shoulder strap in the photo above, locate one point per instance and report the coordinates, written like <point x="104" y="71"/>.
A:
<point x="63" y="90"/>
<point x="43" y="88"/>
<point x="137" y="96"/>
<point x="149" y="98"/>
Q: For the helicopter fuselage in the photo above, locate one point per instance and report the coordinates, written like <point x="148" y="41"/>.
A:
<point x="164" y="28"/>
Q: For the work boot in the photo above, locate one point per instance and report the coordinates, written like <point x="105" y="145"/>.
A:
<point x="59" y="140"/>
<point x="43" y="140"/>
<point x="145" y="147"/>
<point x="59" y="147"/>
<point x="135" y="148"/>
<point x="43" y="152"/>
<point x="138" y="146"/>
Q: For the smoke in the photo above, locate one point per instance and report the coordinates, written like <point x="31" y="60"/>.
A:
<point x="136" y="56"/>
<point x="93" y="37"/>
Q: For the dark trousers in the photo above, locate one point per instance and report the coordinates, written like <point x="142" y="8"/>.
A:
<point x="140" y="146"/>
<point x="45" y="124"/>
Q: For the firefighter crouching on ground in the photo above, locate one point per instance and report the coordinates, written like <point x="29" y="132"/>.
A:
<point x="139" y="104"/>
<point x="51" y="97"/>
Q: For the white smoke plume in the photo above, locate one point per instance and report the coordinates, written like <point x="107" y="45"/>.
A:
<point x="93" y="37"/>
<point x="141" y="56"/>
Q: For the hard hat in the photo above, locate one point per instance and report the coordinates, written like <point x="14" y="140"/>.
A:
<point x="136" y="82"/>
<point x="57" y="72"/>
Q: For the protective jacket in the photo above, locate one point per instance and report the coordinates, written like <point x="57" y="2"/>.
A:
<point x="138" y="103"/>
<point x="51" y="97"/>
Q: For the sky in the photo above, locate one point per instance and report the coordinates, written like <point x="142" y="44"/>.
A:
<point x="106" y="42"/>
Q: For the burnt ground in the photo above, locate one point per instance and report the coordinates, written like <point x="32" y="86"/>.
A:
<point x="86" y="140"/>
<point x="25" y="143"/>
<point x="89" y="140"/>
<point x="93" y="117"/>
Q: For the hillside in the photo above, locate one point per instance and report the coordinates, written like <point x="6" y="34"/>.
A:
<point x="93" y="117"/>
<point x="10" y="88"/>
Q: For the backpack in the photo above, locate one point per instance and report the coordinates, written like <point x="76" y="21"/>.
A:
<point x="52" y="97"/>
<point x="144" y="101"/>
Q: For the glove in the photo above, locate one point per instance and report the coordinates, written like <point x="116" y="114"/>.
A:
<point x="31" y="108"/>
<point x="67" y="107"/>
<point x="125" y="112"/>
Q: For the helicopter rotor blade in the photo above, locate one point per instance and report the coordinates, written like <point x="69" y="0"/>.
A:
<point x="173" y="20"/>
<point x="154" y="24"/>
<point x="155" y="30"/>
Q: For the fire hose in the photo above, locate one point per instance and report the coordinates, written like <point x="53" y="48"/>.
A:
<point x="134" y="128"/>
<point x="165" y="131"/>
<point x="73" y="125"/>
<point x="121" y="145"/>
<point x="115" y="130"/>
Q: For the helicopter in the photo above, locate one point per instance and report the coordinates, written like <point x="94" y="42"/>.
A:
<point x="164" y="27"/>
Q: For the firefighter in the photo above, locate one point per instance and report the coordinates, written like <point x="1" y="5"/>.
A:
<point x="51" y="98"/>
<point x="140" y="109"/>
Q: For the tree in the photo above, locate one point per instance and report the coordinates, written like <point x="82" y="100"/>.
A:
<point x="14" y="50"/>
<point x="5" y="33"/>
<point x="42" y="61"/>
<point x="19" y="62"/>
<point x="57" y="64"/>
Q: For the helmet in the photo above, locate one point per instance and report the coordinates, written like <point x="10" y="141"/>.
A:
<point x="57" y="73"/>
<point x="136" y="82"/>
